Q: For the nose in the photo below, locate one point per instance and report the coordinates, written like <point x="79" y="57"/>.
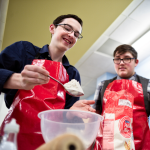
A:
<point x="71" y="34"/>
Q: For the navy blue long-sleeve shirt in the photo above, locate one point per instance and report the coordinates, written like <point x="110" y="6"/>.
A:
<point x="13" y="59"/>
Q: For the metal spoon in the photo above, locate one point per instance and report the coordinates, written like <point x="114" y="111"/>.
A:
<point x="71" y="92"/>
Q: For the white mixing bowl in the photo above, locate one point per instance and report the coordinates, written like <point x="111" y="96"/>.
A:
<point x="83" y="124"/>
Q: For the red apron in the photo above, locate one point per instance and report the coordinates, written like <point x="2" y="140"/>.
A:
<point x="28" y="103"/>
<point x="125" y="125"/>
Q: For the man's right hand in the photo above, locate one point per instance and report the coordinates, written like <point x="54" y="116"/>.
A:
<point x="81" y="105"/>
<point x="30" y="76"/>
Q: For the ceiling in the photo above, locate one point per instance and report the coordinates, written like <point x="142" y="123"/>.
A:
<point x="107" y="24"/>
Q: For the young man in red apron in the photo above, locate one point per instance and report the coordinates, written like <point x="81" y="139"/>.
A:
<point x="124" y="101"/>
<point x="28" y="89"/>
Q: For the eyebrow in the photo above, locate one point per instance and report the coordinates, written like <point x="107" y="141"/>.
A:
<point x="72" y="28"/>
<point x="124" y="56"/>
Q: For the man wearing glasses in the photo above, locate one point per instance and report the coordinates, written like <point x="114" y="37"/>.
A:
<point x="124" y="101"/>
<point x="17" y="74"/>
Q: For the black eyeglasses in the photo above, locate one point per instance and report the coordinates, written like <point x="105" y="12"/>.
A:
<point x="125" y="60"/>
<point x="69" y="29"/>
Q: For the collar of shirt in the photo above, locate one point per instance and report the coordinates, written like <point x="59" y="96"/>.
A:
<point x="45" y="52"/>
<point x="131" y="78"/>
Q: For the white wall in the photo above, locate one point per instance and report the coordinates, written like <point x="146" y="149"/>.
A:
<point x="3" y="14"/>
<point x="143" y="68"/>
<point x="105" y="76"/>
<point x="3" y="108"/>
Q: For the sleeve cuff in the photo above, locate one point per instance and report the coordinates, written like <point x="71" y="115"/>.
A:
<point x="5" y="74"/>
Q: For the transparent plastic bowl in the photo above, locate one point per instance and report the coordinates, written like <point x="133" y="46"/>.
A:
<point x="83" y="124"/>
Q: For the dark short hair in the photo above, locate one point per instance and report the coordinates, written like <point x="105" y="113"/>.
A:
<point x="125" y="48"/>
<point x="62" y="17"/>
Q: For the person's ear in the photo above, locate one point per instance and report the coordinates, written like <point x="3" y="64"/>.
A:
<point x="52" y="28"/>
<point x="136" y="62"/>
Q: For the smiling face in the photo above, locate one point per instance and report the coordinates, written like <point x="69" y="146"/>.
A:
<point x="125" y="70"/>
<point x="61" y="39"/>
